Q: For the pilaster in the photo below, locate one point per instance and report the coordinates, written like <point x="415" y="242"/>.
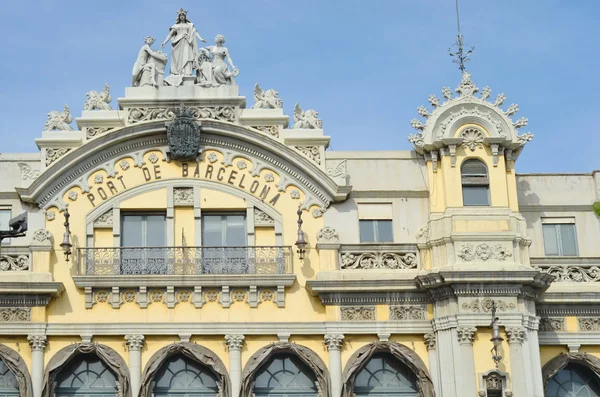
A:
<point x="434" y="365"/>
<point x="465" y="374"/>
<point x="134" y="345"/>
<point x="38" y="345"/>
<point x="521" y="385"/>
<point x="334" y="343"/>
<point x="234" y="344"/>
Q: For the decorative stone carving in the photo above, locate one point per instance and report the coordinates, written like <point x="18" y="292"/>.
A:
<point x="271" y="130"/>
<point x="241" y="164"/>
<point x="98" y="179"/>
<point x="59" y="120"/>
<point x="153" y="158"/>
<point x="423" y="232"/>
<point x="483" y="252"/>
<point x="50" y="215"/>
<point x="183" y="135"/>
<point x="399" y="313"/>
<point x="430" y="341"/>
<point x="213" y="69"/>
<point x="262" y="219"/>
<point x="234" y="342"/>
<point x="269" y="177"/>
<point x="37" y="342"/>
<point x="266" y="99"/>
<point x="129" y="296"/>
<point x="27" y="172"/>
<point x="212" y="157"/>
<point x="358" y="313"/>
<point x="14" y="262"/>
<point x="493" y="382"/>
<point x="576" y="274"/>
<point x="267" y="295"/>
<point x="54" y="154"/>
<point x="102" y="296"/>
<point x="105" y="219"/>
<point x="552" y="324"/>
<point x="134" y="342"/>
<point x="472" y="138"/>
<point x="239" y="295"/>
<point x="378" y="260"/>
<point x="8" y="314"/>
<point x="124" y="164"/>
<point x="95" y="100"/>
<point x="486" y="304"/>
<point x="223" y="113"/>
<point x="311" y="152"/>
<point x="184" y="296"/>
<point x="211" y="296"/>
<point x="465" y="334"/>
<point x="183" y="195"/>
<point x="339" y="170"/>
<point x="73" y="195"/>
<point x="515" y="334"/>
<point x="327" y="235"/>
<point x="334" y="341"/>
<point x="157" y="296"/>
<point x="92" y="132"/>
<point x="42" y="237"/>
<point x="149" y="67"/>
<point x="306" y="119"/>
<point x="295" y="194"/>
<point x="317" y="212"/>
<point x="589" y="324"/>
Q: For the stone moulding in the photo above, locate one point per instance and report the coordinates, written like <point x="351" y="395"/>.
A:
<point x="571" y="273"/>
<point x="483" y="252"/>
<point x="552" y="324"/>
<point x="379" y="257"/>
<point x="141" y="114"/>
<point x="589" y="324"/>
<point x="485" y="305"/>
<point x="400" y="313"/>
<point x="15" y="314"/>
<point x="357" y="313"/>
<point x="15" y="262"/>
<point x="53" y="154"/>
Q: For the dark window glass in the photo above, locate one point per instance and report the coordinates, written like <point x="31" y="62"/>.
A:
<point x="475" y="183"/>
<point x="559" y="239"/>
<point x="224" y="230"/>
<point x="376" y="231"/>
<point x="143" y="230"/>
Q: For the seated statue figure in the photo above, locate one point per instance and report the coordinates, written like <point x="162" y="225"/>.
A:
<point x="149" y="67"/>
<point x="213" y="70"/>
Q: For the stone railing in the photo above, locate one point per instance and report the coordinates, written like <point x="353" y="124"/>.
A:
<point x="379" y="256"/>
<point x="184" y="260"/>
<point x="571" y="270"/>
<point x="15" y="262"/>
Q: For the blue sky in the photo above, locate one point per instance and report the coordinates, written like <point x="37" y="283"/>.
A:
<point x="365" y="66"/>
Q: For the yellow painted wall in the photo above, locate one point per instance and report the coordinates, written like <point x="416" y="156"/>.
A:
<point x="547" y="353"/>
<point x="483" y="357"/>
<point x="184" y="226"/>
<point x="264" y="236"/>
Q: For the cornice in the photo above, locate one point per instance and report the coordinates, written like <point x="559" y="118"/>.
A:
<point x="555" y="208"/>
<point x="31" y="288"/>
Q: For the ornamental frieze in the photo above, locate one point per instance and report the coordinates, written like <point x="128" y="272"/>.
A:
<point x="141" y="114"/>
<point x="588" y="324"/>
<point x="552" y="324"/>
<point x="14" y="262"/>
<point x="483" y="252"/>
<point x="357" y="313"/>
<point x="400" y="313"/>
<point x="9" y="314"/>
<point x="377" y="260"/>
<point x="485" y="305"/>
<point x="573" y="274"/>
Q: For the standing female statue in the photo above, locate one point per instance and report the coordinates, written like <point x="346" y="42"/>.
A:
<point x="184" y="52"/>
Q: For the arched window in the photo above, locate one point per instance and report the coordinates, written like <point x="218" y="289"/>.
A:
<point x="181" y="376"/>
<point x="86" y="376"/>
<point x="384" y="375"/>
<point x="285" y="375"/>
<point x="573" y="381"/>
<point x="475" y="183"/>
<point x="9" y="386"/>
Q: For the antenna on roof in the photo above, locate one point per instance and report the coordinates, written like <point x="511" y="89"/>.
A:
<point x="460" y="55"/>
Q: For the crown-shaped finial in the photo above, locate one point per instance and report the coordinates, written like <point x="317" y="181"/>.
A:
<point x="182" y="11"/>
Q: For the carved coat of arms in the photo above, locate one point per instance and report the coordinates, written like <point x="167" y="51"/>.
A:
<point x="183" y="135"/>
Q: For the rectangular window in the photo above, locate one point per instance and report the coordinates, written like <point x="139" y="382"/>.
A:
<point x="476" y="195"/>
<point x="143" y="230"/>
<point x="224" y="230"/>
<point x="560" y="238"/>
<point x="375" y="231"/>
<point x="5" y="216"/>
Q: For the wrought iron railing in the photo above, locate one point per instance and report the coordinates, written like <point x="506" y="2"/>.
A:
<point x="185" y="260"/>
<point x="379" y="256"/>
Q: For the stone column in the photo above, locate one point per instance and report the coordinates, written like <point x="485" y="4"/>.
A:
<point x="234" y="345"/>
<point x="38" y="344"/>
<point x="433" y="362"/>
<point x="134" y="345"/>
<point x="515" y="336"/>
<point x="334" y="344"/>
<point x="447" y="351"/>
<point x="465" y="371"/>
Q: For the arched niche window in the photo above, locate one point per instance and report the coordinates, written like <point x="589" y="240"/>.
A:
<point x="285" y="375"/>
<point x="181" y="376"/>
<point x="86" y="376"/>
<point x="384" y="375"/>
<point x="9" y="386"/>
<point x="575" y="380"/>
<point x="475" y="183"/>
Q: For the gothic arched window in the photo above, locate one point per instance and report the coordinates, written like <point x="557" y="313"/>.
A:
<point x="9" y="386"/>
<point x="573" y="381"/>
<point x="384" y="375"/>
<point x="181" y="376"/>
<point x="475" y="183"/>
<point x="86" y="376"/>
<point x="285" y="375"/>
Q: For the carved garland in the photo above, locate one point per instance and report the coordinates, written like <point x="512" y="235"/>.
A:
<point x="400" y="313"/>
<point x="358" y="313"/>
<point x="9" y="262"/>
<point x="576" y="274"/>
<point x="483" y="252"/>
<point x="552" y="324"/>
<point x="15" y="314"/>
<point x="223" y="113"/>
<point x="53" y="154"/>
<point x="378" y="260"/>
<point x="311" y="152"/>
<point x="485" y="305"/>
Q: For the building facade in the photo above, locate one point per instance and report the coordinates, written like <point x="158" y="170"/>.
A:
<point x="177" y="270"/>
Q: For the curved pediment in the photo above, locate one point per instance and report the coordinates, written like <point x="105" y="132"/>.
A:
<point x="108" y="165"/>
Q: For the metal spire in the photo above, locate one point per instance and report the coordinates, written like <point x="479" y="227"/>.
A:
<point x="460" y="56"/>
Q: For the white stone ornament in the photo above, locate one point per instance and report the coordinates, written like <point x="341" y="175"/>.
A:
<point x="214" y="62"/>
<point x="212" y="157"/>
<point x="149" y="67"/>
<point x="306" y="119"/>
<point x="266" y="99"/>
<point x="50" y="215"/>
<point x="59" y="120"/>
<point x="98" y="100"/>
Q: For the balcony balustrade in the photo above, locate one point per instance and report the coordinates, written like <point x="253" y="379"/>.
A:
<point x="379" y="256"/>
<point x="184" y="260"/>
<point x="570" y="269"/>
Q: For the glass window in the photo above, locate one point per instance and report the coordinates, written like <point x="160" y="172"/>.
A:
<point x="574" y="380"/>
<point x="143" y="230"/>
<point x="376" y="231"/>
<point x="559" y="239"/>
<point x="224" y="230"/>
<point x="475" y="183"/>
<point x="5" y="215"/>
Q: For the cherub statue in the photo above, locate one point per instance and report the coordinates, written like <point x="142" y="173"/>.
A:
<point x="95" y="100"/>
<point x="306" y="119"/>
<point x="266" y="99"/>
<point x="59" y="120"/>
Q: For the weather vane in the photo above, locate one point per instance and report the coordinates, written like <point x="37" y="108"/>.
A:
<point x="460" y="55"/>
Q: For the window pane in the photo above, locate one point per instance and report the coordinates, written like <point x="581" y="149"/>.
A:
<point x="476" y="195"/>
<point x="473" y="168"/>
<point x="5" y="216"/>
<point x="384" y="231"/>
<point x="212" y="235"/>
<point x="155" y="231"/>
<point x="236" y="230"/>
<point x="550" y="240"/>
<point x="568" y="239"/>
<point x="131" y="231"/>
<point x="367" y="231"/>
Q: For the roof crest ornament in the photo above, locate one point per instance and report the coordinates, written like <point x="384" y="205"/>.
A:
<point x="460" y="55"/>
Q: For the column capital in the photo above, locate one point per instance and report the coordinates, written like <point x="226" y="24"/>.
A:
<point x="234" y="342"/>
<point x="334" y="341"/>
<point x="37" y="342"/>
<point x="430" y="341"/>
<point x="515" y="334"/>
<point x="134" y="342"/>
<point x="466" y="334"/>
